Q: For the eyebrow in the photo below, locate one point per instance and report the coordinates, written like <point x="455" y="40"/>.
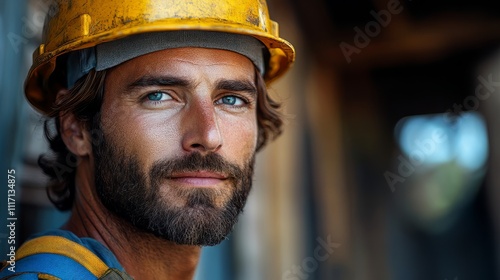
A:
<point x="222" y="84"/>
<point x="147" y="81"/>
<point x="236" y="85"/>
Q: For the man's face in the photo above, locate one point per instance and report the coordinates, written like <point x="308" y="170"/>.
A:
<point x="180" y="133"/>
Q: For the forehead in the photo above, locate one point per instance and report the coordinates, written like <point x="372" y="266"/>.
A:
<point x="187" y="62"/>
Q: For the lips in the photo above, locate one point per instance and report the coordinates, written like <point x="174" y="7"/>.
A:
<point x="199" y="178"/>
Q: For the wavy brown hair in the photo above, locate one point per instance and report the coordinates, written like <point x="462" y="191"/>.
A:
<point x="84" y="100"/>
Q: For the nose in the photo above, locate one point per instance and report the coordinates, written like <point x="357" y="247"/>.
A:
<point x="201" y="129"/>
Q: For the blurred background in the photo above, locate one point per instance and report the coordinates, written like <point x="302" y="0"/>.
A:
<point x="387" y="167"/>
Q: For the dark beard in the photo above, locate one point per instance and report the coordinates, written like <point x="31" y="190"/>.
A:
<point x="126" y="192"/>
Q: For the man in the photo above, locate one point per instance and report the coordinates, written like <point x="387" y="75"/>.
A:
<point x="159" y="107"/>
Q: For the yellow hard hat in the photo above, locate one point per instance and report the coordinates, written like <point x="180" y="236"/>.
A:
<point x="80" y="24"/>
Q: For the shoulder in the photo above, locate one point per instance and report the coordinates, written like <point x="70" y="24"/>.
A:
<point x="59" y="254"/>
<point x="91" y="244"/>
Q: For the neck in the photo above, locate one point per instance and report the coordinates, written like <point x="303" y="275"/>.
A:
<point x="143" y="255"/>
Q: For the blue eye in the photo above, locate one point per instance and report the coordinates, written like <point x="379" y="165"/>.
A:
<point x="231" y="100"/>
<point x="158" y="96"/>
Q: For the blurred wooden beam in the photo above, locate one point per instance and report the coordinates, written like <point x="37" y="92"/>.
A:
<point x="416" y="42"/>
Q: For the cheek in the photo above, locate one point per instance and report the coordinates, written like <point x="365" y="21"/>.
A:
<point x="240" y="138"/>
<point x="148" y="137"/>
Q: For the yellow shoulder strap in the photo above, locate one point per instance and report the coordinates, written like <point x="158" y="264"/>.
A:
<point x="65" y="247"/>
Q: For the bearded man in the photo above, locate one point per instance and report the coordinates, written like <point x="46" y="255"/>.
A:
<point x="157" y="110"/>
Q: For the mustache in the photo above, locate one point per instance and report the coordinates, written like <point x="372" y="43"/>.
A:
<point x="195" y="162"/>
